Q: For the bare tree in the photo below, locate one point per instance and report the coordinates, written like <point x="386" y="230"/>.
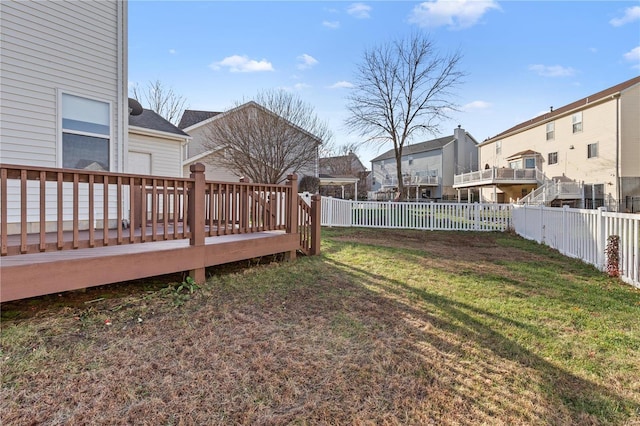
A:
<point x="267" y="138"/>
<point x="402" y="89"/>
<point x="161" y="99"/>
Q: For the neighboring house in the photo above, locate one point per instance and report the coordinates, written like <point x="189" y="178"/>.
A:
<point x="156" y="147"/>
<point x="584" y="154"/>
<point x="343" y="176"/>
<point x="205" y="150"/>
<point x="428" y="168"/>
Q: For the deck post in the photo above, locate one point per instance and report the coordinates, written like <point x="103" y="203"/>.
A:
<point x="196" y="215"/>
<point x="316" y="203"/>
<point x="292" y="223"/>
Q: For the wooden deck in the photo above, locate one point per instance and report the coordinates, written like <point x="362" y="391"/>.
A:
<point x="37" y="274"/>
<point x="231" y="222"/>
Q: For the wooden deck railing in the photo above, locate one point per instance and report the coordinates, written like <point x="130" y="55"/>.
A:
<point x="46" y="209"/>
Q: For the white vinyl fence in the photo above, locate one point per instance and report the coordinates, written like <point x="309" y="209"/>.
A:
<point x="578" y="233"/>
<point x="426" y="216"/>
<point x="583" y="234"/>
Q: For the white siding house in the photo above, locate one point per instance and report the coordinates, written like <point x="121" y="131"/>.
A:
<point x="156" y="147"/>
<point x="63" y="94"/>
<point x="207" y="151"/>
<point x="64" y="83"/>
<point x="428" y="168"/>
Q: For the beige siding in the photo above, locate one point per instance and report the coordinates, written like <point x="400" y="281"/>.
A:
<point x="598" y="126"/>
<point x="165" y="153"/>
<point x="630" y="132"/>
<point x="49" y="46"/>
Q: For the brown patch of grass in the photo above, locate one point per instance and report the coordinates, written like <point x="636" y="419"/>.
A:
<point x="336" y="339"/>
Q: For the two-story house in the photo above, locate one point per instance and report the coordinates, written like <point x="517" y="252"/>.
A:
<point x="428" y="168"/>
<point x="584" y="154"/>
<point x="280" y="148"/>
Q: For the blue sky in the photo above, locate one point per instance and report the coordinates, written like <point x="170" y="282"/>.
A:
<point x="521" y="57"/>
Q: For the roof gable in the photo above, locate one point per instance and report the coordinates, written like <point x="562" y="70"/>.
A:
<point x="201" y="118"/>
<point x="584" y="102"/>
<point x="191" y="117"/>
<point x="417" y="148"/>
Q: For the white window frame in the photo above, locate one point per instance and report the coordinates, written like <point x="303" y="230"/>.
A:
<point x="61" y="130"/>
<point x="551" y="130"/>
<point x="592" y="150"/>
<point x="555" y="157"/>
<point x="498" y="147"/>
<point x="528" y="160"/>
<point x="576" y="122"/>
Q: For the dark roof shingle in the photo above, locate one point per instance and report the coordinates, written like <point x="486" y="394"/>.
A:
<point x="151" y="120"/>
<point x="416" y="148"/>
<point x="191" y="117"/>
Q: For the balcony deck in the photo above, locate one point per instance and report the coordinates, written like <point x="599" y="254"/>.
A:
<point x="498" y="176"/>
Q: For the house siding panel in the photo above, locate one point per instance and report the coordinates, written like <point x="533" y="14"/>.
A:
<point x="165" y="154"/>
<point x="51" y="46"/>
<point x="630" y="132"/>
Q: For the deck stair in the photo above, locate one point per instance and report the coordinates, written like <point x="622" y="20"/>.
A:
<point x="552" y="190"/>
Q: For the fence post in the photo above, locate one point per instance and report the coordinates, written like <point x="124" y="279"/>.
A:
<point x="601" y="238"/>
<point x="292" y="224"/>
<point x="196" y="215"/>
<point x="329" y="214"/>
<point x="316" y="206"/>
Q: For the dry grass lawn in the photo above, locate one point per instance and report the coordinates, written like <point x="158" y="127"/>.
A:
<point x="384" y="328"/>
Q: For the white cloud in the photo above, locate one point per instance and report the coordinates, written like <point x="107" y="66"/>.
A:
<point x="331" y="24"/>
<point x="359" y="10"/>
<point x="552" y="70"/>
<point x="476" y="106"/>
<point x="306" y="61"/>
<point x="295" y="87"/>
<point x="633" y="56"/>
<point x="456" y="14"/>
<point x="341" y="85"/>
<point x="237" y="63"/>
<point x="172" y="51"/>
<point x="630" y="14"/>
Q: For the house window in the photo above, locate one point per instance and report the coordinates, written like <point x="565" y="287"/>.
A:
<point x="553" y="158"/>
<point x="86" y="133"/>
<point x="516" y="164"/>
<point x="576" y="122"/>
<point x="592" y="150"/>
<point x="499" y="147"/>
<point x="410" y="161"/>
<point x="551" y="131"/>
<point x="529" y="163"/>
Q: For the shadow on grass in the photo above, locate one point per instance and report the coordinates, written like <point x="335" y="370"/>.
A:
<point x="537" y="388"/>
